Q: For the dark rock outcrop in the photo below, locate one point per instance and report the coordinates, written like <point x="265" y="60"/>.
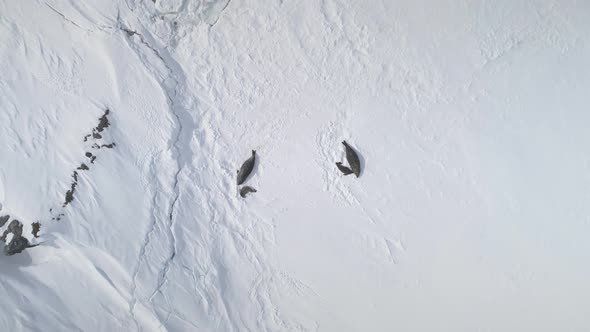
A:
<point x="36" y="228"/>
<point x="70" y="193"/>
<point x="15" y="227"/>
<point x="103" y="121"/>
<point x="18" y="243"/>
<point x="3" y="220"/>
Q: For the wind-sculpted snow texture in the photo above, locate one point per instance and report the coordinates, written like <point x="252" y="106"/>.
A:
<point x="471" y="213"/>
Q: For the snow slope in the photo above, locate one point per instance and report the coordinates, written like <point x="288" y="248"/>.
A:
<point x="471" y="212"/>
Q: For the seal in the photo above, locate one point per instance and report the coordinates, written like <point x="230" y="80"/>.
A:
<point x="343" y="168"/>
<point x="246" y="168"/>
<point x="246" y="190"/>
<point x="353" y="159"/>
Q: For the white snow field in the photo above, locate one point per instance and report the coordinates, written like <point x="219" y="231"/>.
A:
<point x="472" y="211"/>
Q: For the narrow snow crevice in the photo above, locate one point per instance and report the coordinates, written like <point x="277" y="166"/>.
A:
<point x="225" y="230"/>
<point x="179" y="146"/>
<point x="65" y="17"/>
<point x="142" y="253"/>
<point x="218" y="14"/>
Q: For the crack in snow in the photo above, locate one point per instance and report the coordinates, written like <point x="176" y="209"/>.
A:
<point x="66" y="18"/>
<point x="171" y="77"/>
<point x="219" y="14"/>
<point x="142" y="253"/>
<point x="180" y="144"/>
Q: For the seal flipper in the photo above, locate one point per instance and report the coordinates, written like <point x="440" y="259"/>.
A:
<point x="344" y="169"/>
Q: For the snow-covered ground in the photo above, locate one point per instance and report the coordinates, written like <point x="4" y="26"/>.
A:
<point x="472" y="211"/>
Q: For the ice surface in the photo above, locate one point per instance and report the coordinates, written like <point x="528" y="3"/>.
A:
<point x="470" y="119"/>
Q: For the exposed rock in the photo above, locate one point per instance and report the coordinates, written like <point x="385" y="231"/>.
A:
<point x="17" y="245"/>
<point x="58" y="217"/>
<point x="15" y="227"/>
<point x="103" y="122"/>
<point x="36" y="228"/>
<point x="3" y="220"/>
<point x="70" y="193"/>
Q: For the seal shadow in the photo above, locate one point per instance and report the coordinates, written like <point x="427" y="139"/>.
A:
<point x="362" y="162"/>
<point x="255" y="168"/>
